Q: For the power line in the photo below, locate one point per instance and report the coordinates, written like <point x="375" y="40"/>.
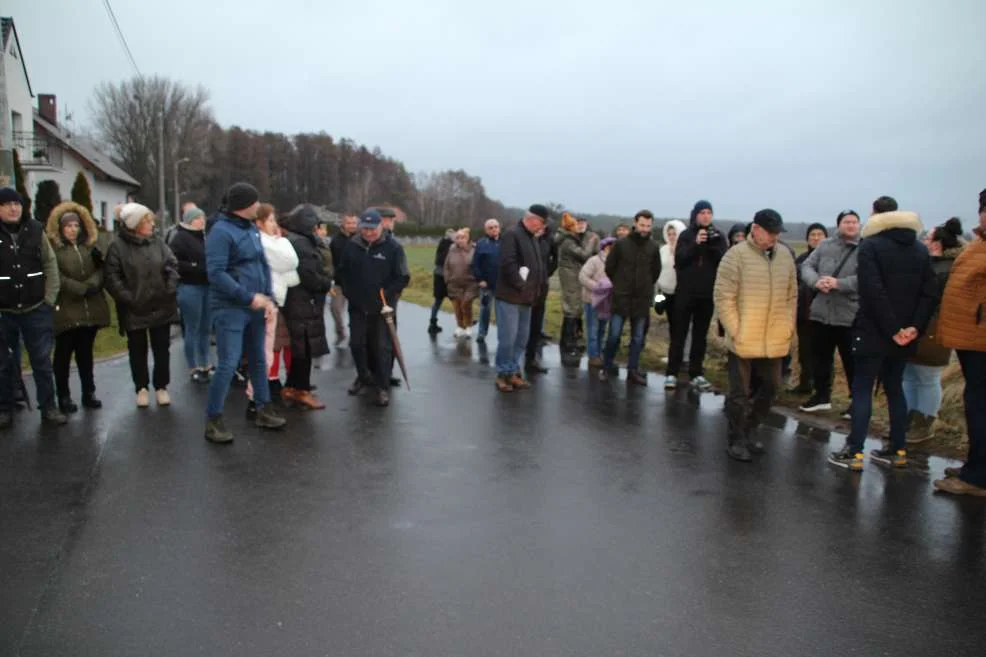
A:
<point x="123" y="39"/>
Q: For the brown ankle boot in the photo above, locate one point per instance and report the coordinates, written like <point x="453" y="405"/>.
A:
<point x="306" y="399"/>
<point x="518" y="382"/>
<point x="503" y="384"/>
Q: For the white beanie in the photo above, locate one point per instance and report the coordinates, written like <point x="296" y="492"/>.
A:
<point x="132" y="213"/>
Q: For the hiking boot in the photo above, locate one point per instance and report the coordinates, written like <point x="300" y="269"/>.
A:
<point x="815" y="404"/>
<point x="66" y="405"/>
<point x="895" y="458"/>
<point x="636" y="378"/>
<point x="143" y="398"/>
<point x="535" y="367"/>
<point x="848" y="458"/>
<point x="952" y="472"/>
<point x="163" y="398"/>
<point x="434" y="328"/>
<point x="518" y="382"/>
<point x="596" y="362"/>
<point x="738" y="451"/>
<point x="216" y="432"/>
<point x="90" y="401"/>
<point x="670" y="382"/>
<point x="268" y="419"/>
<point x="701" y="384"/>
<point x="357" y="388"/>
<point x="382" y="399"/>
<point x="53" y="416"/>
<point x="502" y="384"/>
<point x="957" y="486"/>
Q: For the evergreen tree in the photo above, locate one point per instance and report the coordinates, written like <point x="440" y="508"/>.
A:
<point x="22" y="186"/>
<point x="46" y="199"/>
<point x="81" y="193"/>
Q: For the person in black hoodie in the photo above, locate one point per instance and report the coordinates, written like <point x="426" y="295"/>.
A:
<point x="438" y="287"/>
<point x="898" y="295"/>
<point x="696" y="260"/>
<point x="304" y="308"/>
<point x="806" y="358"/>
<point x="372" y="262"/>
<point x="188" y="245"/>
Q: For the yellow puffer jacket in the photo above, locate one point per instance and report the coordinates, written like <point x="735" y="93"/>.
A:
<point x="756" y="298"/>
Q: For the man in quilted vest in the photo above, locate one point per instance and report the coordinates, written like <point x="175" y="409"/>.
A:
<point x="756" y="294"/>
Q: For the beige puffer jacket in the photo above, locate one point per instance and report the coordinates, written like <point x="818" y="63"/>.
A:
<point x="756" y="297"/>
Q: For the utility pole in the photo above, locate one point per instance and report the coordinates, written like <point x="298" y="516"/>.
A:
<point x="161" y="203"/>
<point x="178" y="163"/>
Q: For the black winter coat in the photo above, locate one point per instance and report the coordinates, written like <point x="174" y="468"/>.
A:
<point x="336" y="247"/>
<point x="633" y="265"/>
<point x="519" y="248"/>
<point x="697" y="264"/>
<point x="805" y="294"/>
<point x="368" y="268"/>
<point x="304" y="306"/>
<point x="189" y="249"/>
<point x="897" y="285"/>
<point x="141" y="273"/>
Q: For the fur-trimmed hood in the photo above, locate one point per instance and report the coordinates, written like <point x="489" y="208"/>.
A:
<point x="879" y="223"/>
<point x="677" y="224"/>
<point x="87" y="225"/>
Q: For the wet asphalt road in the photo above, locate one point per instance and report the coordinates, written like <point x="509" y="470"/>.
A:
<point x="573" y="519"/>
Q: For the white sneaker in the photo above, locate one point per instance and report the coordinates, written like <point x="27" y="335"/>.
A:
<point x="143" y="398"/>
<point x="670" y="382"/>
<point x="467" y="333"/>
<point x="163" y="398"/>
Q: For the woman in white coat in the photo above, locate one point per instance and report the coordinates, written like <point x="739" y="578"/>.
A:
<point x="667" y="282"/>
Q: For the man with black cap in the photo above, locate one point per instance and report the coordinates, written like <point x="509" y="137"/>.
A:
<point x="240" y="300"/>
<point x="29" y="287"/>
<point x="696" y="261"/>
<point x="756" y="294"/>
<point x="371" y="263"/>
<point x="522" y="279"/>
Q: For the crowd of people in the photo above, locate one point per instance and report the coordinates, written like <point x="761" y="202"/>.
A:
<point x="894" y="300"/>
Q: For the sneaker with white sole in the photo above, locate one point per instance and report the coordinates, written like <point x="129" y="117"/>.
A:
<point x="143" y="398"/>
<point x="894" y="458"/>
<point x="670" y="382"/>
<point x="848" y="458"/>
<point x="163" y="398"/>
<point x="815" y="404"/>
<point x="701" y="384"/>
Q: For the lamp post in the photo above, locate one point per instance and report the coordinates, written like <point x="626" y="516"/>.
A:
<point x="178" y="163"/>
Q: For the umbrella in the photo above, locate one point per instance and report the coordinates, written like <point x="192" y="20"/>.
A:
<point x="389" y="318"/>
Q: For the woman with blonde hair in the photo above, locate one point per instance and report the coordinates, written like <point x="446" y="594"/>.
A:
<point x="141" y="274"/>
<point x="461" y="282"/>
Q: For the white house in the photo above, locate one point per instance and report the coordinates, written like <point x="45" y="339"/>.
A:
<point x="49" y="151"/>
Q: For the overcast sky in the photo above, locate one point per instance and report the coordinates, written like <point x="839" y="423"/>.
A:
<point x="807" y="107"/>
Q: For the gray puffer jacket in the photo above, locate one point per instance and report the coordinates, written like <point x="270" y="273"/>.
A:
<point x="838" y="307"/>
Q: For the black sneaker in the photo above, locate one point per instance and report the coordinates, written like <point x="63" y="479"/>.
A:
<point x="268" y="419"/>
<point x="216" y="432"/>
<point x="894" y="458"/>
<point x="434" y="328"/>
<point x="847" y="458"/>
<point x="67" y="406"/>
<point x="53" y="416"/>
<point x="815" y="404"/>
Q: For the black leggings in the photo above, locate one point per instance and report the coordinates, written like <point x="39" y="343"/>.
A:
<point x="160" y="339"/>
<point x="80" y="342"/>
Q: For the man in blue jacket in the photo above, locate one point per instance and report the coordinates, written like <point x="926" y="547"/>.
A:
<point x="371" y="262"/>
<point x="240" y="300"/>
<point x="485" y="262"/>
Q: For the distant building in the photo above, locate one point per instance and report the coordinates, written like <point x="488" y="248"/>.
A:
<point x="47" y="150"/>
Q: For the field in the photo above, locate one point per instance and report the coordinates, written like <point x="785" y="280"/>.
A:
<point x="949" y="429"/>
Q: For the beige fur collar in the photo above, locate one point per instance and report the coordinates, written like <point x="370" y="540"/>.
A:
<point x="880" y="222"/>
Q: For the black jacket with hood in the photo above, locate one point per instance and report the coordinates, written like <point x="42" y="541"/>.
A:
<point x="189" y="248"/>
<point x="304" y="306"/>
<point x="697" y="264"/>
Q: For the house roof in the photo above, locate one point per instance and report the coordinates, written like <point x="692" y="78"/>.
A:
<point x="87" y="149"/>
<point x="9" y="29"/>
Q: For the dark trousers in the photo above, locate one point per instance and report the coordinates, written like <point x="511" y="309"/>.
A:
<point x="745" y="411"/>
<point x="35" y="328"/>
<point x="160" y="342"/>
<point x="806" y="356"/>
<point x="695" y="314"/>
<point x="974" y="369"/>
<point x="369" y="342"/>
<point x="669" y="313"/>
<point x="393" y="355"/>
<point x="300" y="372"/>
<point x="889" y="370"/>
<point x="537" y="326"/>
<point x="78" y="341"/>
<point x="825" y="340"/>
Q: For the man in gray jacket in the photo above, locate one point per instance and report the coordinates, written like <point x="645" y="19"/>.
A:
<point x="831" y="271"/>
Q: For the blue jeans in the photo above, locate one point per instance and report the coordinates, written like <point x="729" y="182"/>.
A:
<point x="513" y="327"/>
<point x="36" y="329"/>
<point x="638" y="329"/>
<point x="922" y="388"/>
<point x="193" y="301"/>
<point x="485" y="310"/>
<point x="974" y="369"/>
<point x="890" y="371"/>
<point x="238" y="330"/>
<point x="596" y="331"/>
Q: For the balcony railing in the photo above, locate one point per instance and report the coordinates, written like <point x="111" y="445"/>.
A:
<point x="38" y="151"/>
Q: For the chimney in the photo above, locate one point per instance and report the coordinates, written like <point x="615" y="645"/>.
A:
<point x="48" y="108"/>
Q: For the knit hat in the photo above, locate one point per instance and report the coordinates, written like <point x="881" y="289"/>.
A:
<point x="539" y="210"/>
<point x="241" y="196"/>
<point x="843" y="215"/>
<point x="10" y="195"/>
<point x="817" y="227"/>
<point x="69" y="217"/>
<point x="191" y="214"/>
<point x="769" y="220"/>
<point x="132" y="213"/>
<point x="701" y="205"/>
